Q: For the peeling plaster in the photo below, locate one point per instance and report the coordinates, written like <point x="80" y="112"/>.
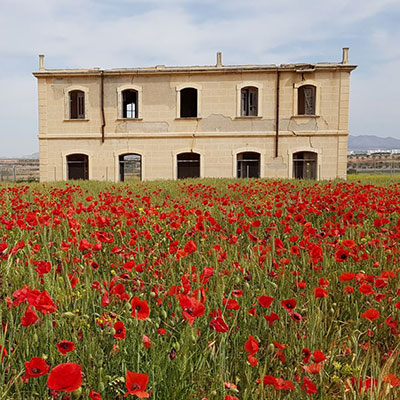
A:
<point x="142" y="127"/>
<point x="221" y="123"/>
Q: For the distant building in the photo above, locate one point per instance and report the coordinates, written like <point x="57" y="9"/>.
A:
<point x="286" y="121"/>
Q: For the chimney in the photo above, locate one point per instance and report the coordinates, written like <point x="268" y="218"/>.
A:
<point x="219" y="59"/>
<point x="345" y="59"/>
<point x="41" y="62"/>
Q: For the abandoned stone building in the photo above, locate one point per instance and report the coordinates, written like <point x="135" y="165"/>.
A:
<point x="223" y="121"/>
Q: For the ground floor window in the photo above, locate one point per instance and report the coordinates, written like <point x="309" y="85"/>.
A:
<point x="248" y="165"/>
<point x="305" y="165"/>
<point x="130" y="167"/>
<point x="188" y="165"/>
<point x="77" y="166"/>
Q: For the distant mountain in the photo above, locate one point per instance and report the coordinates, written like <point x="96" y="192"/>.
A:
<point x="34" y="156"/>
<point x="366" y="142"/>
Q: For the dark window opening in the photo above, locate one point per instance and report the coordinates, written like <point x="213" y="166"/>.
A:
<point x="306" y="100"/>
<point x="188" y="165"/>
<point x="78" y="166"/>
<point x="305" y="165"/>
<point x="248" y="165"/>
<point x="188" y="103"/>
<point x="130" y="167"/>
<point x="249" y="102"/>
<point x="77" y="104"/>
<point x="130" y="104"/>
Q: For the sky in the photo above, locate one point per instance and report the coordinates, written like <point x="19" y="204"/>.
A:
<point x="138" y="33"/>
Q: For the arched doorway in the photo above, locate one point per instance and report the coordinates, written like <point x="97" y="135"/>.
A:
<point x="305" y="165"/>
<point x="248" y="165"/>
<point x="130" y="167"/>
<point x="188" y="165"/>
<point x="77" y="166"/>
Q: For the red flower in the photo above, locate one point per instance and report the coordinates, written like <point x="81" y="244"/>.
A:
<point x="44" y="303"/>
<point x="265" y="301"/>
<point x="341" y="255"/>
<point x="29" y="317"/>
<point x="253" y="361"/>
<point x="229" y="397"/>
<point x="140" y="309"/>
<point x="190" y="247"/>
<point x="146" y="341"/>
<point x="35" y="367"/>
<point x="94" y="395"/>
<point x="313" y="368"/>
<point x="65" y="377"/>
<point x="120" y="331"/>
<point x="346" y="276"/>
<point x="308" y="386"/>
<point x="272" y="318"/>
<point x="320" y="292"/>
<point x="136" y="384"/>
<point x="366" y="289"/>
<point x="307" y="355"/>
<point x="65" y="346"/>
<point x="191" y="308"/>
<point x="219" y="325"/>
<point x="3" y="352"/>
<point x="251" y="346"/>
<point x="371" y="314"/>
<point x="289" y="304"/>
<point x="319" y="356"/>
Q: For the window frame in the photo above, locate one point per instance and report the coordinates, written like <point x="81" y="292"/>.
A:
<point x="67" y="103"/>
<point x="178" y="89"/>
<point x="248" y="84"/>
<point x="296" y="87"/>
<point x="139" y="101"/>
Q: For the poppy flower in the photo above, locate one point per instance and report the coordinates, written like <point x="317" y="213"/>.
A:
<point x="136" y="384"/>
<point x="146" y="341"/>
<point x="219" y="325"/>
<point x="272" y="318"/>
<point x="3" y="352"/>
<point x="319" y="356"/>
<point x="371" y="314"/>
<point x="251" y="346"/>
<point x="65" y="346"/>
<point x="190" y="247"/>
<point x="307" y="355"/>
<point x="313" y="368"/>
<point x="366" y="289"/>
<point x="391" y="379"/>
<point x="191" y="308"/>
<point x="253" y="361"/>
<point x="29" y="317"/>
<point x="140" y="309"/>
<point x="346" y="276"/>
<point x="35" y="367"/>
<point x="120" y="331"/>
<point x="94" y="395"/>
<point x="44" y="303"/>
<point x="65" y="377"/>
<point x="341" y="255"/>
<point x="308" y="386"/>
<point x="320" y="292"/>
<point x="229" y="397"/>
<point x="265" y="301"/>
<point x="289" y="304"/>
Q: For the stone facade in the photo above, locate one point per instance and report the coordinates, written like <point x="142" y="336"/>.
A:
<point x="220" y="131"/>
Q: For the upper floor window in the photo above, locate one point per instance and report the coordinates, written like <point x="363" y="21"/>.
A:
<point x="130" y="104"/>
<point x="306" y="100"/>
<point x="76" y="104"/>
<point x="249" y="102"/>
<point x="188" y="103"/>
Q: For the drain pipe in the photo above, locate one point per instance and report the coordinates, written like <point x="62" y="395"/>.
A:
<point x="278" y="75"/>
<point x="103" y="120"/>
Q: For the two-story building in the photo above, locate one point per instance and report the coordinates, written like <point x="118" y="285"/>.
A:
<point x="222" y="121"/>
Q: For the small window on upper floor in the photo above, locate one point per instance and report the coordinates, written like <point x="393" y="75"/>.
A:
<point x="306" y="100"/>
<point x="76" y="104"/>
<point x="130" y="107"/>
<point x="188" y="103"/>
<point x="249" y="102"/>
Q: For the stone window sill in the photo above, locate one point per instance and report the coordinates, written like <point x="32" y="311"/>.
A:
<point x="249" y="117"/>
<point x="76" y="120"/>
<point x="305" y="116"/>
<point x="187" y="118"/>
<point x="130" y="119"/>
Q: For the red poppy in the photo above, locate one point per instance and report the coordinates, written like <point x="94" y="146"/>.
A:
<point x="371" y="314"/>
<point x="190" y="247"/>
<point x="313" y="368"/>
<point x="341" y="255"/>
<point x="65" y="346"/>
<point x="120" y="331"/>
<point x="229" y="397"/>
<point x="253" y="361"/>
<point x="35" y="367"/>
<point x="219" y="325"/>
<point x="94" y="395"/>
<point x="272" y="318"/>
<point x="191" y="308"/>
<point x="136" y="384"/>
<point x="319" y="356"/>
<point x="146" y="341"/>
<point x="307" y="355"/>
<point x="289" y="304"/>
<point x="391" y="379"/>
<point x="320" y="292"/>
<point x="65" y="377"/>
<point x="251" y="346"/>
<point x="346" y="276"/>
<point x="231" y="304"/>
<point x="140" y="309"/>
<point x="265" y="301"/>
<point x="29" y="317"/>
<point x="308" y="386"/>
<point x="366" y="289"/>
<point x="44" y="303"/>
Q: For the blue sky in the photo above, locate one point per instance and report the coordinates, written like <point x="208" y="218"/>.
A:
<point x="131" y="33"/>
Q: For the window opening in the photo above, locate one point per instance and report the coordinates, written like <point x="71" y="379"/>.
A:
<point x="130" y="167"/>
<point x="188" y="165"/>
<point x="78" y="166"/>
<point x="188" y="102"/>
<point x="248" y="165"/>
<point x="77" y="104"/>
<point x="305" y="165"/>
<point x="306" y="100"/>
<point x="249" y="102"/>
<point x="129" y="104"/>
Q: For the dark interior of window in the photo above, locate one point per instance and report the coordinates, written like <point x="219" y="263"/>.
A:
<point x="76" y="104"/>
<point x="188" y="103"/>
<point x="129" y="104"/>
<point x="78" y="166"/>
<point x="188" y="165"/>
<point x="306" y="100"/>
<point x="305" y="165"/>
<point x="248" y="165"/>
<point x="249" y="102"/>
<point x="130" y="167"/>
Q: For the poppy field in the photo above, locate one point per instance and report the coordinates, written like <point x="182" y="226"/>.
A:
<point x="200" y="290"/>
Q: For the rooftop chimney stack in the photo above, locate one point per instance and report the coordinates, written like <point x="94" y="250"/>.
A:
<point x="219" y="59"/>
<point x="345" y="59"/>
<point x="41" y="62"/>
